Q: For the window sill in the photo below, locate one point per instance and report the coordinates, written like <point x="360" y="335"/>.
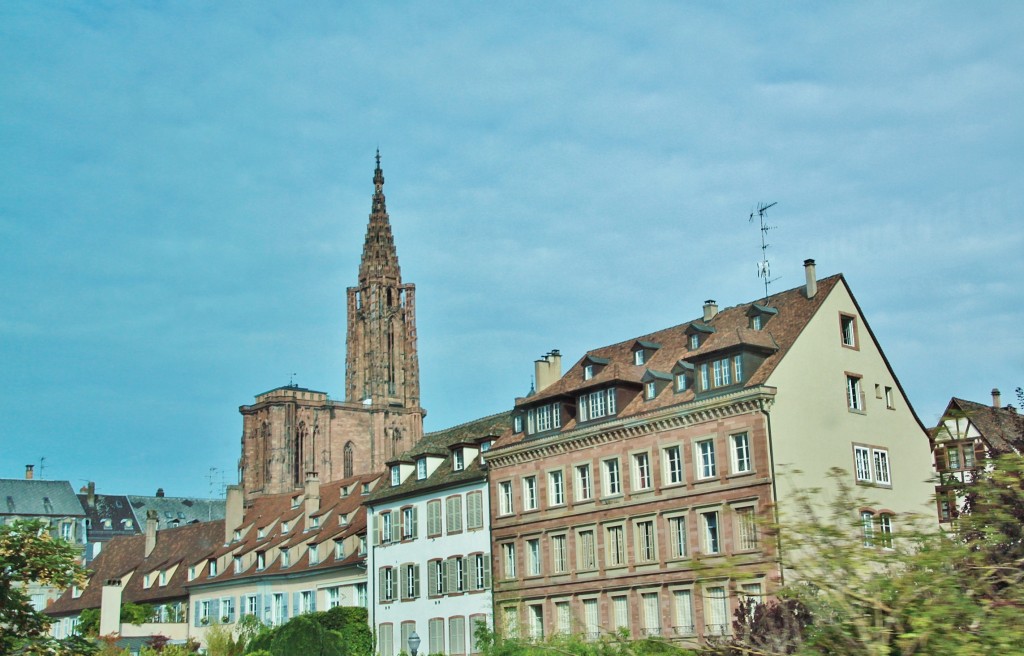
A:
<point x="741" y="474"/>
<point x="856" y="411"/>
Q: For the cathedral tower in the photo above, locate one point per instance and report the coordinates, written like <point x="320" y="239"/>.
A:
<point x="291" y="432"/>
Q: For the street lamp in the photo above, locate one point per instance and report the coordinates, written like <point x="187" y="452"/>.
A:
<point x="414" y="643"/>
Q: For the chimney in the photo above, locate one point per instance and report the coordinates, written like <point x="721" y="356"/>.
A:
<point x="110" y="607"/>
<point x="159" y="492"/>
<point x="547" y="369"/>
<point x="28" y="472"/>
<point x="710" y="310"/>
<point x="232" y="511"/>
<point x="312" y="500"/>
<point x="997" y="399"/>
<point x="90" y="494"/>
<point x="152" y="519"/>
<point x="812" y="278"/>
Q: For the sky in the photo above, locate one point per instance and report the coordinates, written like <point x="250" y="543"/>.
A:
<point x="184" y="190"/>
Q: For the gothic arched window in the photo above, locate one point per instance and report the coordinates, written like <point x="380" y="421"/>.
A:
<point x="348" y="460"/>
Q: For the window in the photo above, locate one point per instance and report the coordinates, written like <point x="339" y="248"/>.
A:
<point x="563" y="617"/>
<point x="756" y="322"/>
<point x="559" y="559"/>
<point x="694" y="342"/>
<point x="591" y="618"/>
<point x="706" y="459"/>
<point x="409" y="528"/>
<point x="480" y="571"/>
<point x="867" y="520"/>
<point x="261" y="560"/>
<point x="556" y="488"/>
<point x="286" y="558"/>
<point x="250" y="605"/>
<point x="652" y="613"/>
<point x="435" y="635"/>
<point x="746" y="529"/>
<point x="476" y="622"/>
<point x="421" y="469"/>
<point x="339" y="550"/>
<point x="544" y="418"/>
<point x="854" y="396"/>
<point x="437" y="581"/>
<point x="433" y="518"/>
<point x="872" y="465"/>
<point x="456" y="574"/>
<point x="457" y="635"/>
<point x="638" y="356"/>
<point x="505" y="497"/>
<point x="386" y="639"/>
<point x="536" y="615"/>
<point x="529" y="493"/>
<point x="645" y="541"/>
<point x="307" y="603"/>
<point x="683" y="611"/>
<point x="396" y="475"/>
<point x="737" y="368"/>
<point x="588" y="372"/>
<point x="474" y="510"/>
<point x="279" y="609"/>
<point x="881" y="466"/>
<point x="584" y="491"/>
<point x="641" y="471"/>
<point x="213" y="566"/>
<point x="509" y="621"/>
<point x="680" y="380"/>
<point x="385" y="527"/>
<point x="585" y="547"/>
<point x="612" y="482"/>
<point x="163" y="577"/>
<point x="453" y="514"/>
<point x="888" y="399"/>
<point x="388" y="584"/>
<point x="740" y="453"/>
<point x="458" y="459"/>
<point x="711" y="537"/>
<point x="848" y="330"/>
<point x="615" y="546"/>
<point x="596" y="405"/>
<point x="704" y="383"/>
<point x="677" y="536"/>
<point x="361" y="595"/>
<point x="508" y="552"/>
<point x="673" y="465"/>
<point x="885" y="530"/>
<point x="410" y="581"/>
<point x="862" y="461"/>
<point x="533" y="557"/>
<point x="722" y="373"/>
<point x="620" y="612"/>
<point x="650" y="390"/>
<point x="518" y="424"/>
<point x="408" y="628"/>
<point x="716" y="610"/>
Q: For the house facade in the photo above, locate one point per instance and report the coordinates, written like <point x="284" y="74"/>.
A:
<point x="430" y="564"/>
<point x="633" y="478"/>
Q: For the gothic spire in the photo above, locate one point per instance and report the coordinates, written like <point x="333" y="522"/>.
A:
<point x="380" y="260"/>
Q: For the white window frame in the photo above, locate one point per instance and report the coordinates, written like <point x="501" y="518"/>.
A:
<point x="711" y="531"/>
<point x="556" y="488"/>
<point x="854" y="393"/>
<point x="612" y="477"/>
<point x="584" y="482"/>
<point x="673" y="458"/>
<point x="706" y="461"/>
<point x="641" y="471"/>
<point x="638" y="357"/>
<point x="559" y="553"/>
<point x="506" y="503"/>
<point x="882" y="468"/>
<point x="530" y="501"/>
<point x="533" y="559"/>
<point x="742" y="461"/>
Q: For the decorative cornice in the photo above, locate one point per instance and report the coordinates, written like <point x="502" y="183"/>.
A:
<point x="735" y="403"/>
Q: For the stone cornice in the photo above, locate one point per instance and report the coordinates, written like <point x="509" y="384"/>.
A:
<point x="679" y="416"/>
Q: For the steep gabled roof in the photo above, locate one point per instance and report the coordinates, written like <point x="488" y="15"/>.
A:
<point x="38" y="498"/>
<point x="1001" y="428"/>
<point x="126" y="555"/>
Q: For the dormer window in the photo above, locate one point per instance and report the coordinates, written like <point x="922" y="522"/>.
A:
<point x="163" y="577"/>
<point x="458" y="459"/>
<point x="314" y="522"/>
<point x="343" y="520"/>
<point x="286" y="558"/>
<point x="650" y="390"/>
<point x="638" y="356"/>
<point x="643" y="350"/>
<point x="595" y="405"/>
<point x="485" y="446"/>
<point x="588" y="372"/>
<point x="261" y="560"/>
<point x="128" y="524"/>
<point x="694" y="342"/>
<point x="396" y="475"/>
<point x="421" y="469"/>
<point x="543" y="418"/>
<point x="518" y="424"/>
<point x="191" y="572"/>
<point x="212" y="566"/>
<point x="759" y="315"/>
<point x="237" y="561"/>
<point x="654" y="382"/>
<point x="755" y="322"/>
<point x="284" y="527"/>
<point x="344" y="491"/>
<point x="680" y="382"/>
<point x="295" y="501"/>
<point x="366" y="489"/>
<point x="236" y="536"/>
<point x="261" y="533"/>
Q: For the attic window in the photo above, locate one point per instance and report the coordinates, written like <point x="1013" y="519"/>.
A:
<point x="485" y="446"/>
<point x="344" y="491"/>
<point x="295" y="501"/>
<point x="650" y="389"/>
<point x="286" y="558"/>
<point x="518" y="424"/>
<point x="694" y="342"/>
<point x="76" y="592"/>
<point x="343" y="520"/>
<point x="588" y="372"/>
<point x="284" y="527"/>
<point x="638" y="356"/>
<point x="261" y="560"/>
<point x="458" y="459"/>
<point x="163" y="577"/>
<point x="396" y="475"/>
<point x="314" y="522"/>
<point x="237" y="536"/>
<point x="755" y="322"/>
<point x="108" y="524"/>
<point x="421" y="469"/>
<point x="366" y="489"/>
<point x="128" y="524"/>
<point x="544" y="418"/>
<point x="212" y="567"/>
<point x="680" y="381"/>
<point x="261" y="533"/>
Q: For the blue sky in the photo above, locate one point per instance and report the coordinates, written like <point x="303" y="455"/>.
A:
<point x="184" y="188"/>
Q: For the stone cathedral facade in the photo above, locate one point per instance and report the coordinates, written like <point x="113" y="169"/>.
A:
<point x="291" y="433"/>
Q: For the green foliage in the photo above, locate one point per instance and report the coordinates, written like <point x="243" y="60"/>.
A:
<point x="89" y="622"/>
<point x="611" y="644"/>
<point x="220" y="641"/>
<point x="28" y="553"/>
<point x="305" y="635"/>
<point x="351" y="622"/>
<point x="136" y="613"/>
<point x="340" y="631"/>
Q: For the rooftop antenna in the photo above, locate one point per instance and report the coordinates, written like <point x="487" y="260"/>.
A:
<point x="291" y="379"/>
<point x="764" y="267"/>
<point x="42" y="465"/>
<point x="217" y="483"/>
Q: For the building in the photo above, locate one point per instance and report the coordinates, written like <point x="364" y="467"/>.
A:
<point x="54" y="503"/>
<point x="649" y="462"/>
<point x="175" y="511"/>
<point x="107" y="516"/>
<point x="430" y="562"/>
<point x="966" y="435"/>
<point x="149" y="568"/>
<point x="291" y="430"/>
<point x="289" y="554"/>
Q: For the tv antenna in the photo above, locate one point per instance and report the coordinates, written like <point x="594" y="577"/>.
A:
<point x="291" y="380"/>
<point x="217" y="483"/>
<point x="764" y="266"/>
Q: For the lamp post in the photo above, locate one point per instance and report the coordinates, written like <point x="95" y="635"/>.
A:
<point x="414" y="643"/>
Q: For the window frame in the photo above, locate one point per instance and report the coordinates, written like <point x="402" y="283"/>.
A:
<point x="531" y="501"/>
<point x="611" y="478"/>
<point x="641" y="473"/>
<point x="736" y="450"/>
<point x="848" y="331"/>
<point x="855" y="401"/>
<point x="556" y="487"/>
<point x="707" y="468"/>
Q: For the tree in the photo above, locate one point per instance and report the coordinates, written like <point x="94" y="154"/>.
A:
<point x="28" y="553"/>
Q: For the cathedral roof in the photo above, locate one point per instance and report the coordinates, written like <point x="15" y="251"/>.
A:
<point x="380" y="259"/>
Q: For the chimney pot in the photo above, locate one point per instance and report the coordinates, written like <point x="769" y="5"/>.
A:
<point x="997" y="400"/>
<point x="812" y="278"/>
<point x="28" y="472"/>
<point x="159" y="491"/>
<point x="710" y="309"/>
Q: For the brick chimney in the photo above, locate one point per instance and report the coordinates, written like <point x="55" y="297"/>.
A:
<point x="547" y="369"/>
<point x="812" y="278"/>
<point x="710" y="310"/>
<point x="152" y="519"/>
<point x="233" y="511"/>
<point x="90" y="494"/>
<point x="28" y="472"/>
<point x="997" y="398"/>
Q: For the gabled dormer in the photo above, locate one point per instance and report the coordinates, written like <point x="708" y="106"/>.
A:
<point x="399" y="470"/>
<point x="654" y="382"/>
<point x="697" y="333"/>
<point x="643" y="350"/>
<point x="759" y="315"/>
<point x="682" y="376"/>
<point x="592" y="366"/>
<point x="463" y="454"/>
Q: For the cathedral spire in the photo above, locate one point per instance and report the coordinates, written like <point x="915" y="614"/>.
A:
<point x="380" y="260"/>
